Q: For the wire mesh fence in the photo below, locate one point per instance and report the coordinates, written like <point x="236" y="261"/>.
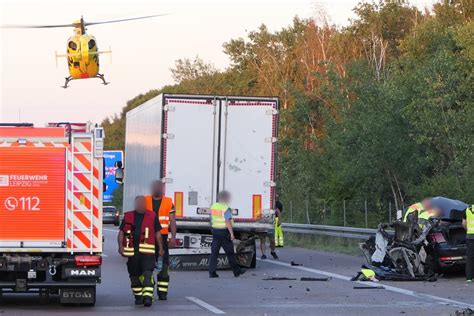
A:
<point x="350" y="213"/>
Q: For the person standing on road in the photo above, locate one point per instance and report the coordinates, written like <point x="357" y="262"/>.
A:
<point x="278" y="222"/>
<point x="272" y="234"/>
<point x="468" y="223"/>
<point x="222" y="235"/>
<point x="138" y="234"/>
<point x="163" y="207"/>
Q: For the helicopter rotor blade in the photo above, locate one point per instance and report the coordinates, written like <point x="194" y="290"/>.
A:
<point x="13" y="26"/>
<point x="124" y="20"/>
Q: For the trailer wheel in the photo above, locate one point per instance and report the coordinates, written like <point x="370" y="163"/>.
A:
<point x="253" y="265"/>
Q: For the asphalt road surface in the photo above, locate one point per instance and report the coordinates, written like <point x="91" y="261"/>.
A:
<point x="193" y="293"/>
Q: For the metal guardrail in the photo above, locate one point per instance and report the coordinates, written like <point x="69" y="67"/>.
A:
<point x="335" y="231"/>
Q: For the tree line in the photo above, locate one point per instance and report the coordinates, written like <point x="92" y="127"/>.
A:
<point x="381" y="109"/>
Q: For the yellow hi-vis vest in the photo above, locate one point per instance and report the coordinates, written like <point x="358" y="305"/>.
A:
<point x="217" y="215"/>
<point x="415" y="207"/>
<point x="470" y="220"/>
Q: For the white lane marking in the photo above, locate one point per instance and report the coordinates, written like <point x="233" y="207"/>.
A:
<point x="439" y="300"/>
<point x="205" y="305"/>
<point x="104" y="255"/>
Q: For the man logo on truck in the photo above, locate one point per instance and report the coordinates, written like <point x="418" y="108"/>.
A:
<point x="83" y="273"/>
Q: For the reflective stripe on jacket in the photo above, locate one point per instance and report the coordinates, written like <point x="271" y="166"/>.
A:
<point x="217" y="215"/>
<point x="147" y="234"/>
<point x="163" y="213"/>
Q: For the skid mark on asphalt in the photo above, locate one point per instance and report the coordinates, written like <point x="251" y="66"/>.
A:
<point x="437" y="299"/>
<point x="205" y="305"/>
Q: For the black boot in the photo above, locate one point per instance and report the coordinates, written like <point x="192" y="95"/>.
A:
<point x="147" y="301"/>
<point x="162" y="296"/>
<point x="138" y="300"/>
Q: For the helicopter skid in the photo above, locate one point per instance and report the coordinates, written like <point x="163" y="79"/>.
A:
<point x="101" y="76"/>
<point x="69" y="79"/>
<point x="66" y="82"/>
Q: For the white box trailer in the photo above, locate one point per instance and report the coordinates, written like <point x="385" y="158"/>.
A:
<point x="198" y="145"/>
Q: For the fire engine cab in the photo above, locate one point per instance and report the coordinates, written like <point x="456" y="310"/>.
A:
<point x="51" y="210"/>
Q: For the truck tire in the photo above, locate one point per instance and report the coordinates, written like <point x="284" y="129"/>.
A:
<point x="253" y="265"/>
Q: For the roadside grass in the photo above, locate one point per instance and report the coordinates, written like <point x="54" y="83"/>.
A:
<point x="324" y="243"/>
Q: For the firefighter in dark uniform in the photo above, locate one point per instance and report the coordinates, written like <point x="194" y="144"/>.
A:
<point x="163" y="207"/>
<point x="139" y="232"/>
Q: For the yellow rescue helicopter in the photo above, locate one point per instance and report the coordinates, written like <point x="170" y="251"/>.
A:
<point x="82" y="53"/>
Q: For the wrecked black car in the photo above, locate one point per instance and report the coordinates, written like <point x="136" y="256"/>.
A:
<point x="404" y="254"/>
<point x="418" y="248"/>
<point x="449" y="237"/>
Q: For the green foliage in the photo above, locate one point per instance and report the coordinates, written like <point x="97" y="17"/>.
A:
<point x="118" y="199"/>
<point x="381" y="110"/>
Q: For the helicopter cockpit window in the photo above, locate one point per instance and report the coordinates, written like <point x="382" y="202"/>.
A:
<point x="72" y="45"/>
<point x="91" y="44"/>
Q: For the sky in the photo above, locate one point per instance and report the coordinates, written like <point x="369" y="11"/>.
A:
<point x="142" y="51"/>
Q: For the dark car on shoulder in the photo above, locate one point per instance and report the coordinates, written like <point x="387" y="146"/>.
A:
<point x="448" y="239"/>
<point x="110" y="215"/>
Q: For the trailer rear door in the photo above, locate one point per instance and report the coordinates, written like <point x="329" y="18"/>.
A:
<point x="248" y="150"/>
<point x="189" y="153"/>
<point x="32" y="196"/>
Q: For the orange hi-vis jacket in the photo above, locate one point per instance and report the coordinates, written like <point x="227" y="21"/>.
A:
<point x="163" y="213"/>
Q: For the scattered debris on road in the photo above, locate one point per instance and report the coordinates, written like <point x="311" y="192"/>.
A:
<point x="368" y="287"/>
<point x="464" y="312"/>
<point x="315" y="279"/>
<point x="294" y="279"/>
<point x="294" y="264"/>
